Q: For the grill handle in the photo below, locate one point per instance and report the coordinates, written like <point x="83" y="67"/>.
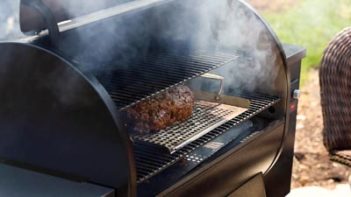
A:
<point x="218" y="78"/>
<point x="48" y="16"/>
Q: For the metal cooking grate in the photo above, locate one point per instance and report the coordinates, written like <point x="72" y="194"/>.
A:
<point x="126" y="85"/>
<point x="206" y="116"/>
<point x="150" y="161"/>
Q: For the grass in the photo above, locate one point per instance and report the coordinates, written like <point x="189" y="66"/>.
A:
<point x="311" y="24"/>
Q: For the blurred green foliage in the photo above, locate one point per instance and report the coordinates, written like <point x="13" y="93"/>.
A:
<point x="312" y="24"/>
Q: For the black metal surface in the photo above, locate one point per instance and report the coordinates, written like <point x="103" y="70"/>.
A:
<point x="211" y="144"/>
<point x="55" y="120"/>
<point x="294" y="54"/>
<point x="151" y="161"/>
<point x="254" y="188"/>
<point x="61" y="11"/>
<point x="282" y="168"/>
<point x="17" y="182"/>
<point x="131" y="84"/>
<point x="221" y="175"/>
<point x="48" y="17"/>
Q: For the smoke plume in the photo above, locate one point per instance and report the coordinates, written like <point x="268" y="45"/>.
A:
<point x="182" y="26"/>
<point x="234" y="28"/>
<point x="224" y="26"/>
<point x="9" y="22"/>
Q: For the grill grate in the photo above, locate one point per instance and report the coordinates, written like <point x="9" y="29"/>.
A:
<point x="150" y="161"/>
<point x="206" y="116"/>
<point x="160" y="73"/>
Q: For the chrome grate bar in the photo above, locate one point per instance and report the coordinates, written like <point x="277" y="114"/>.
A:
<point x="126" y="85"/>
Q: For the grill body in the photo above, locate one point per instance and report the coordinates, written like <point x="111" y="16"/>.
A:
<point x="65" y="97"/>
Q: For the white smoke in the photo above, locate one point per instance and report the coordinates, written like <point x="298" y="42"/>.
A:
<point x="226" y="26"/>
<point x="197" y="25"/>
<point x="239" y="28"/>
<point x="9" y="19"/>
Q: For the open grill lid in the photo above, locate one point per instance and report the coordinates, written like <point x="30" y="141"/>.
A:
<point x="32" y="11"/>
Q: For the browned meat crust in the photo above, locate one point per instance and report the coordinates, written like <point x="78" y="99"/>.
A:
<point x="164" y="110"/>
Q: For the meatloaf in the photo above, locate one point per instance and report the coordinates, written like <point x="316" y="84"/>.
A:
<point x="157" y="113"/>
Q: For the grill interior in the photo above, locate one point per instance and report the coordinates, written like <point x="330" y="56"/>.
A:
<point x="127" y="85"/>
<point x="154" y="74"/>
<point x="150" y="161"/>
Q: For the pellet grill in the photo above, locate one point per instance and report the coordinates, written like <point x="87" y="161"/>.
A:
<point x="65" y="88"/>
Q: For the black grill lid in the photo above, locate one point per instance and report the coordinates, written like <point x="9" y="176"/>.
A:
<point x="32" y="21"/>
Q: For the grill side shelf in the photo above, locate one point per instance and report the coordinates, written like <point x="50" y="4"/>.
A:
<point x="126" y="84"/>
<point x="151" y="161"/>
